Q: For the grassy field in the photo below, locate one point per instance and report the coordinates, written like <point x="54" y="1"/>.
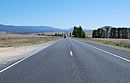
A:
<point x="117" y="43"/>
<point x="14" y="40"/>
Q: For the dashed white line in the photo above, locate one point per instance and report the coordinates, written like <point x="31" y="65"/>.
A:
<point x="109" y="53"/>
<point x="71" y="53"/>
<point x="69" y="45"/>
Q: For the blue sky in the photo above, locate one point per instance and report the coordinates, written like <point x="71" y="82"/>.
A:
<point x="90" y="14"/>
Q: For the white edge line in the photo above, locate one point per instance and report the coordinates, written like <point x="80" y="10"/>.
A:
<point x="71" y="53"/>
<point x="110" y="53"/>
<point x="24" y="58"/>
<point x="13" y="64"/>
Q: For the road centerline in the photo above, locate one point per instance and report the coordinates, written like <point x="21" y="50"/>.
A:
<point x="71" y="53"/>
<point x="69" y="45"/>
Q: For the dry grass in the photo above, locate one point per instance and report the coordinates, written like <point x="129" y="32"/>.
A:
<point x="14" y="40"/>
<point x="116" y="42"/>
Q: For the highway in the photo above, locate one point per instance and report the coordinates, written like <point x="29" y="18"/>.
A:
<point x="71" y="61"/>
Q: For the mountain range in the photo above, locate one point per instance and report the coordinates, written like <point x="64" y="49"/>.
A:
<point x="32" y="29"/>
<point x="29" y="29"/>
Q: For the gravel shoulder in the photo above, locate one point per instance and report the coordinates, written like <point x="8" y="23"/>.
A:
<point x="11" y="54"/>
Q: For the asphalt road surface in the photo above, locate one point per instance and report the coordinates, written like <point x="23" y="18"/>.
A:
<point x="71" y="61"/>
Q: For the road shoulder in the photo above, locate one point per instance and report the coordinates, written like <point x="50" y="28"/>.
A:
<point x="10" y="55"/>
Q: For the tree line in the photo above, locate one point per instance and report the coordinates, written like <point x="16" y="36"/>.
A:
<point x="111" y="32"/>
<point x="78" y="32"/>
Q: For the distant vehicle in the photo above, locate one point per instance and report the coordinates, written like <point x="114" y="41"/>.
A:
<point x="64" y="36"/>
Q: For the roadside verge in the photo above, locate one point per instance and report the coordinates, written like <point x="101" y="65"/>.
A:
<point x="11" y="55"/>
<point x="105" y="44"/>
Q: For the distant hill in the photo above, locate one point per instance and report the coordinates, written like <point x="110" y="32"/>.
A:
<point x="28" y="29"/>
<point x="71" y="30"/>
<point x="110" y="27"/>
<point x="32" y="29"/>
